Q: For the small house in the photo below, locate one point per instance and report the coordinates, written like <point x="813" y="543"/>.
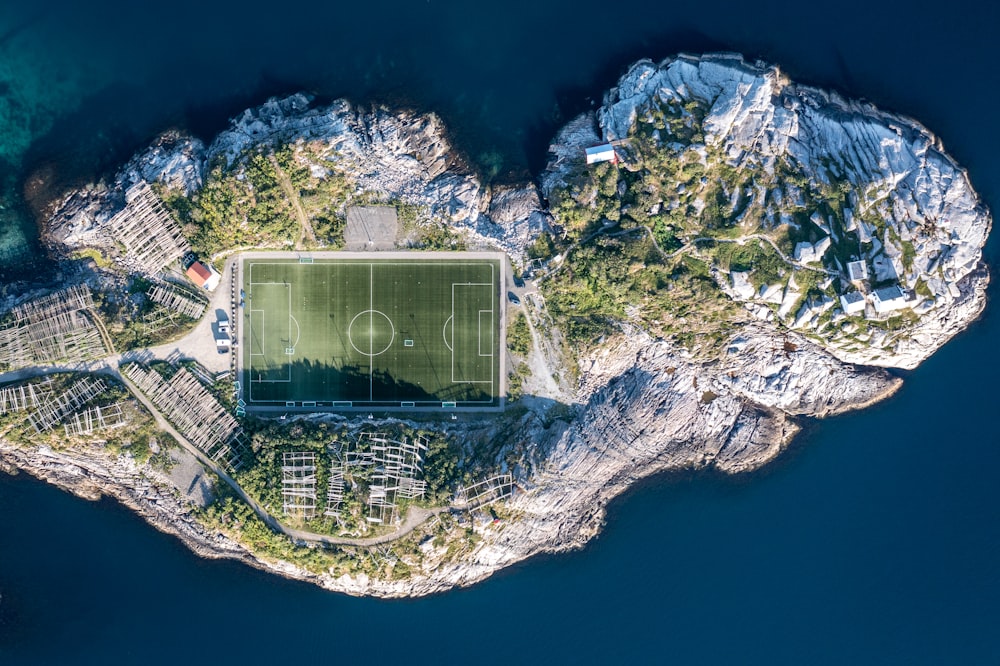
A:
<point x="888" y="299"/>
<point x="857" y="270"/>
<point x="852" y="302"/>
<point x="204" y="276"/>
<point x="602" y="153"/>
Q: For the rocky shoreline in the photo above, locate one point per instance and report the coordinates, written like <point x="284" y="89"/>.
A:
<point x="641" y="405"/>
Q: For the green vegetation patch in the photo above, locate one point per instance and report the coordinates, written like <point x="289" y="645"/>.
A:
<point x="706" y="216"/>
<point x="614" y="279"/>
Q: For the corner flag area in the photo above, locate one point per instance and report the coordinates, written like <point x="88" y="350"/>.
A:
<point x="341" y="330"/>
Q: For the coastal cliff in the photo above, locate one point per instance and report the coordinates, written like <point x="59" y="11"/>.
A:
<point x="734" y="193"/>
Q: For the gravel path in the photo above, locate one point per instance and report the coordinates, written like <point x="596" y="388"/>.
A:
<point x="307" y="233"/>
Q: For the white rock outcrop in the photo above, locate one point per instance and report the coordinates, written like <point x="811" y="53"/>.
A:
<point x="897" y="169"/>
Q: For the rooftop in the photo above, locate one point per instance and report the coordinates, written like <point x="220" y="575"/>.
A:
<point x="203" y="276"/>
<point x="603" y="153"/>
<point x="857" y="270"/>
<point x="888" y="299"/>
<point x="888" y="293"/>
<point x="199" y="273"/>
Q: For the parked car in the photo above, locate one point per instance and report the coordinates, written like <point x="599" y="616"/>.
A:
<point x="512" y="297"/>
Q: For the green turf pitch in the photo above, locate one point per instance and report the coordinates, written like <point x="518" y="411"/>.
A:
<point x="371" y="333"/>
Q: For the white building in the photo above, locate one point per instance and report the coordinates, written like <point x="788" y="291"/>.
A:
<point x="852" y="302"/>
<point x="602" y="153"/>
<point x="888" y="299"/>
<point x="857" y="270"/>
<point x="204" y="276"/>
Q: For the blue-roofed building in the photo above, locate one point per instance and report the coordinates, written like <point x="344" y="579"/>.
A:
<point x="852" y="302"/>
<point x="857" y="270"/>
<point x="888" y="299"/>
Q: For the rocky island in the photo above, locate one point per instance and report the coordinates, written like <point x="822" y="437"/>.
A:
<point x="713" y="255"/>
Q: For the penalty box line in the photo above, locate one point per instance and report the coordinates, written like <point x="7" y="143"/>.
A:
<point x="257" y="380"/>
<point x="479" y="342"/>
<point x="288" y="288"/>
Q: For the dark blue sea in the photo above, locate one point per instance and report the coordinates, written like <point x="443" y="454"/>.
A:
<point x="874" y="540"/>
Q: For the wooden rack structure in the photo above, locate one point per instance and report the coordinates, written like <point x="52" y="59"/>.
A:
<point x="152" y="237"/>
<point x="194" y="411"/>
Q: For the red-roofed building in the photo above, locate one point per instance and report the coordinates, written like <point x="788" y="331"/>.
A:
<point x="203" y="276"/>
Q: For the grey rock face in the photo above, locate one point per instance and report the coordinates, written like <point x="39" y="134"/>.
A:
<point x="400" y="155"/>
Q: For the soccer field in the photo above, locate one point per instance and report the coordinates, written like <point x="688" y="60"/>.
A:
<point x="349" y="332"/>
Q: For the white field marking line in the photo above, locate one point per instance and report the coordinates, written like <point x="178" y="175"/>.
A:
<point x="249" y="377"/>
<point x="412" y="262"/>
<point x="493" y="285"/>
<point x="338" y="262"/>
<point x="371" y="335"/>
<point x="249" y="340"/>
<point x="493" y="327"/>
<point x="490" y="313"/>
<point x="469" y="381"/>
<point x="290" y="317"/>
<point x="250" y="333"/>
<point x="262" y="353"/>
<point x="371" y="267"/>
<point x="444" y="329"/>
<point x="253" y="381"/>
<point x="452" y="317"/>
<point x="371" y="324"/>
<point x="298" y="331"/>
<point x="493" y="303"/>
<point x="350" y="338"/>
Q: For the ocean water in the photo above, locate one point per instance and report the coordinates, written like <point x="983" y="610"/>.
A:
<point x="875" y="539"/>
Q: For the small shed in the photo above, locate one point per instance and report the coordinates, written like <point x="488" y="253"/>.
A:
<point x="603" y="153"/>
<point x="852" y="302"/>
<point x="203" y="276"/>
<point x="857" y="270"/>
<point x="888" y="299"/>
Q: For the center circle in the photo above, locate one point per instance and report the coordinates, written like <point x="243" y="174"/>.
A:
<point x="371" y="333"/>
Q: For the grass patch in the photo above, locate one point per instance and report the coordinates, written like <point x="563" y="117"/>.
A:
<point x="376" y="332"/>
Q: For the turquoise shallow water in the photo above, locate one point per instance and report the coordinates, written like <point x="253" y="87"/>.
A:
<point x="874" y="540"/>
